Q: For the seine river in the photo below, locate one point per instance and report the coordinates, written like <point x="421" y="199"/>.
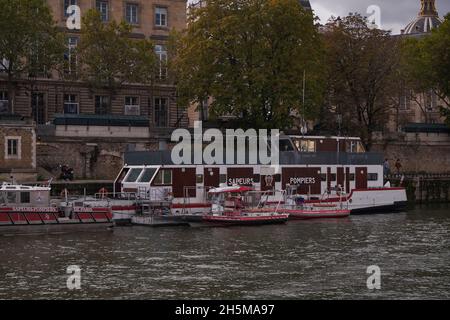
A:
<point x="300" y="260"/>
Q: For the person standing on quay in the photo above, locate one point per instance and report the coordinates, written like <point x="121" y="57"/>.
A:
<point x="386" y="167"/>
<point x="398" y="166"/>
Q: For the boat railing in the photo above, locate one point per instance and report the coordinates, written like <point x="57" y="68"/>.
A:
<point x="116" y="196"/>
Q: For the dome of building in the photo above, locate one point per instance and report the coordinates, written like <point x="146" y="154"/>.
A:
<point x="427" y="20"/>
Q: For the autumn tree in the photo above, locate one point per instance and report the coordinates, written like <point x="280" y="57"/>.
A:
<point x="362" y="66"/>
<point x="30" y="44"/>
<point x="427" y="64"/>
<point x="110" y="57"/>
<point x="250" y="57"/>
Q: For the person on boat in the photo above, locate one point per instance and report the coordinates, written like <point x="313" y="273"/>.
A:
<point x="238" y="202"/>
<point x="386" y="167"/>
<point x="398" y="166"/>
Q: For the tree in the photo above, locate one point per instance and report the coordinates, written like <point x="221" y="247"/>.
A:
<point x="250" y="57"/>
<point x="29" y="42"/>
<point x="427" y="63"/>
<point x="362" y="68"/>
<point x="109" y="57"/>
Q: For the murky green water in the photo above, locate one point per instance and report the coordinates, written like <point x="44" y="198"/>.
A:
<point x="300" y="260"/>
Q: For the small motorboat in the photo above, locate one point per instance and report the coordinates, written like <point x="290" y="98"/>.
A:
<point x="312" y="213"/>
<point x="29" y="209"/>
<point x="297" y="208"/>
<point x="240" y="205"/>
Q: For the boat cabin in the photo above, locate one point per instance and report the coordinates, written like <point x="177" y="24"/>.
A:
<point x="313" y="165"/>
<point x="24" y="196"/>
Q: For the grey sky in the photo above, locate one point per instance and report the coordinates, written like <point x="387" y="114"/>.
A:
<point x="395" y="14"/>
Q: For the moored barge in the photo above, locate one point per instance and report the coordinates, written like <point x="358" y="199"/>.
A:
<point x="337" y="167"/>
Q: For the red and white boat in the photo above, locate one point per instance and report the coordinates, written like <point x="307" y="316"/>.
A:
<point x="312" y="165"/>
<point x="295" y="206"/>
<point x="239" y="205"/>
<point x="28" y="209"/>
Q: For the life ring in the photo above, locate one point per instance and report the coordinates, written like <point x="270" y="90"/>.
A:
<point x="103" y="192"/>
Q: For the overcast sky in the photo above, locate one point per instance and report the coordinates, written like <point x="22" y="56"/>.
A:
<point x="395" y="14"/>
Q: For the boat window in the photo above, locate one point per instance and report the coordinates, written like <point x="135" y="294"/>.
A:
<point x="323" y="177"/>
<point x="164" y="177"/>
<point x="360" y="148"/>
<point x="25" y="197"/>
<point x="372" y="177"/>
<point x="133" y="175"/>
<point x="167" y="177"/>
<point x="286" y="145"/>
<point x="199" y="178"/>
<point x="122" y="175"/>
<point x="147" y="175"/>
<point x="12" y="197"/>
<point x="306" y="145"/>
<point x="3" y="199"/>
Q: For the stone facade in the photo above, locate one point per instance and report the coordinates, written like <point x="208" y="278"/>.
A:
<point x="17" y="150"/>
<point x="95" y="151"/>
<point x="418" y="152"/>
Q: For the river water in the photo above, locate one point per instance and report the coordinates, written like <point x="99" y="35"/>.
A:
<point x="300" y="260"/>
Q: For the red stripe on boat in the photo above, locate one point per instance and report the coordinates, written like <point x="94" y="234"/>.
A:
<point x="188" y="206"/>
<point x="48" y="218"/>
<point x="100" y="216"/>
<point x="18" y="218"/>
<point x="33" y="218"/>
<point x="4" y="218"/>
<point x="84" y="217"/>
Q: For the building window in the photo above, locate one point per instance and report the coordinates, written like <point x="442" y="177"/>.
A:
<point x="13" y="148"/>
<point x="67" y="4"/>
<point x="70" y="104"/>
<point x="161" y="17"/>
<point x="38" y="108"/>
<point x="161" y="112"/>
<point x="131" y="13"/>
<point x="70" y="56"/>
<point x="101" y="104"/>
<point x="103" y="7"/>
<point x="4" y="102"/>
<point x="132" y="107"/>
<point x="161" y="53"/>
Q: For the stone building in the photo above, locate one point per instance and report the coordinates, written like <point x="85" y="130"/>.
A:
<point x="415" y="132"/>
<point x="18" y="149"/>
<point x="419" y="107"/>
<point x="50" y="100"/>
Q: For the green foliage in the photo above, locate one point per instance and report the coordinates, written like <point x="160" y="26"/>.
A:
<point x="362" y="68"/>
<point x="426" y="62"/>
<point x="29" y="40"/>
<point x="109" y="55"/>
<point x="250" y="56"/>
